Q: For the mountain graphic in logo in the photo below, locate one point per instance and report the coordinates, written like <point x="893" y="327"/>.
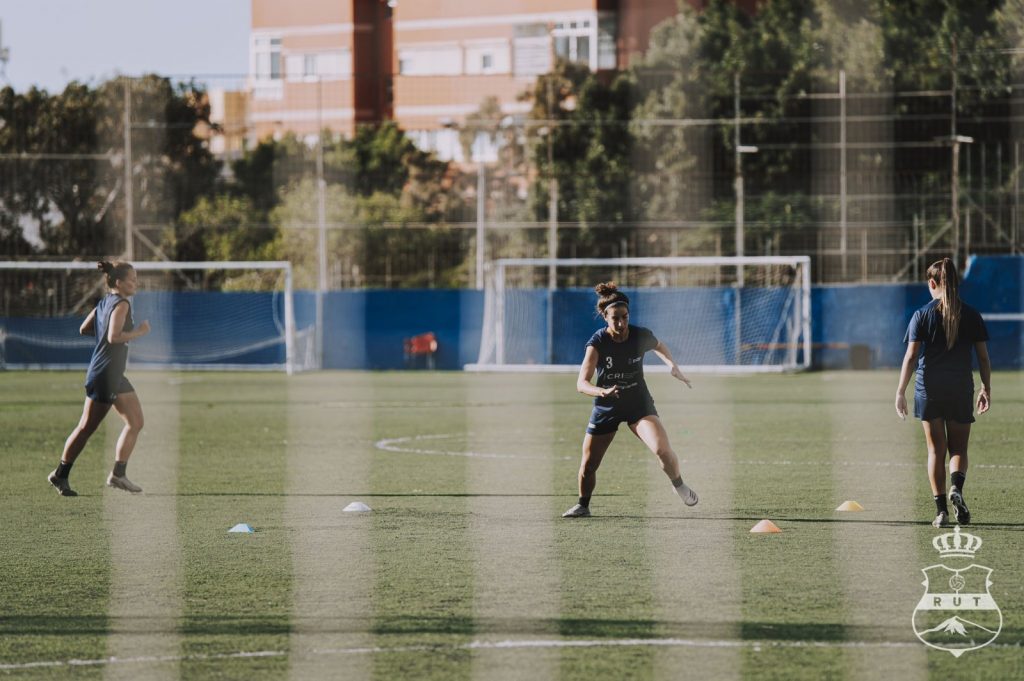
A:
<point x="957" y="632"/>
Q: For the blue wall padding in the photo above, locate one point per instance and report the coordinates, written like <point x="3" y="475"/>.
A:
<point x="365" y="329"/>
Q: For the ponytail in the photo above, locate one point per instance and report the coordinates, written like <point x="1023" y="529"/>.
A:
<point x="608" y="295"/>
<point x="943" y="273"/>
<point x="114" y="271"/>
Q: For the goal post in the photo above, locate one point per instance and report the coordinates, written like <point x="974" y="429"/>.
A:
<point x="729" y="315"/>
<point x="227" y="315"/>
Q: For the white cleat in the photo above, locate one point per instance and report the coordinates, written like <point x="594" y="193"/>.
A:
<point x="688" y="496"/>
<point x="941" y="520"/>
<point x="577" y="511"/>
<point x="122" y="482"/>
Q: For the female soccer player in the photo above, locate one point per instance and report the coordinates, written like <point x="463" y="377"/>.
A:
<point x="621" y="395"/>
<point x="105" y="382"/>
<point x="940" y="337"/>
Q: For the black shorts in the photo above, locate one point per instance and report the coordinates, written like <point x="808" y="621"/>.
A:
<point x="106" y="390"/>
<point x="604" y="420"/>
<point x="958" y="407"/>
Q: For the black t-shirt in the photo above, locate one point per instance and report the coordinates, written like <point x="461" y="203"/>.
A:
<point x="622" y="363"/>
<point x="940" y="368"/>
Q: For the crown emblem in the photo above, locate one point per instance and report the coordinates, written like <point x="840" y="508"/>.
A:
<point x="956" y="545"/>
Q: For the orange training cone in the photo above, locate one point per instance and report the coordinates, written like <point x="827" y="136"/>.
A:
<point x="765" y="527"/>
<point x="850" y="506"/>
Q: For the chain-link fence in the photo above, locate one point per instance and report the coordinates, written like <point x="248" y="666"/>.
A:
<point x="872" y="185"/>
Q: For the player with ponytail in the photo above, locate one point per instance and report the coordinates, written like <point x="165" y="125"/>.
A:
<point x="939" y="340"/>
<point x="620" y="395"/>
<point x="105" y="384"/>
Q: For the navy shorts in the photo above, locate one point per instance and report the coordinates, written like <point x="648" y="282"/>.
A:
<point x="959" y="407"/>
<point x="604" y="420"/>
<point x="106" y="390"/>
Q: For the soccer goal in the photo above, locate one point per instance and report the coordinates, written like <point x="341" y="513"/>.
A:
<point x="716" y="314"/>
<point x="204" y="315"/>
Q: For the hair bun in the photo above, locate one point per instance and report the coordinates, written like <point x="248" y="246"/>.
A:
<point x="105" y="266"/>
<point x="606" y="288"/>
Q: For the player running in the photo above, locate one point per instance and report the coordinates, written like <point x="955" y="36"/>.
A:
<point x="105" y="383"/>
<point x="940" y="337"/>
<point x="621" y="395"/>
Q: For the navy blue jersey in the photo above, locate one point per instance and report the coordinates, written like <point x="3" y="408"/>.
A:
<point x="941" y="369"/>
<point x="622" y="364"/>
<point x="108" y="359"/>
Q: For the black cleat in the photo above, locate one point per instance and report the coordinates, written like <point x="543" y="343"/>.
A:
<point x="960" y="510"/>
<point x="61" y="484"/>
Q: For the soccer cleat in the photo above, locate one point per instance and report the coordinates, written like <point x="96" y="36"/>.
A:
<point x="688" y="496"/>
<point x="960" y="511"/>
<point x="577" y="511"/>
<point x="62" y="485"/>
<point x="941" y="520"/>
<point x="121" y="482"/>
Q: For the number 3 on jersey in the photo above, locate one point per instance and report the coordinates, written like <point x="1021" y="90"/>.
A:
<point x="608" y="362"/>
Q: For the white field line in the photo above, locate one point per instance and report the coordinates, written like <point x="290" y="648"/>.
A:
<point x="323" y="593"/>
<point x="525" y="644"/>
<point x="400" y="445"/>
<point x="868" y="601"/>
<point x="695" y="567"/>
<point x="145" y="549"/>
<point x="529" y="546"/>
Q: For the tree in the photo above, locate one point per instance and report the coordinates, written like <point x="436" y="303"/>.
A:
<point x="222" y="227"/>
<point x="70" y="180"/>
<point x="581" y="141"/>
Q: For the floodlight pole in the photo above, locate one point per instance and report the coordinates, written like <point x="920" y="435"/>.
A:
<point x="321" y="222"/>
<point x="129" y="199"/>
<point x="740" y="150"/>
<point x="481" y="211"/>
<point x="843" y="232"/>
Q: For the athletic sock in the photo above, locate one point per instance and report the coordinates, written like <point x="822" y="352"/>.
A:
<point x="958" y="479"/>
<point x="119" y="468"/>
<point x="678" y="482"/>
<point x="940" y="504"/>
<point x="63" y="469"/>
<point x="585" y="502"/>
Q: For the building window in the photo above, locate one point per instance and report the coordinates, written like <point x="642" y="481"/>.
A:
<point x="309" y="65"/>
<point x="430" y="60"/>
<point x="266" y="58"/>
<point x="573" y="40"/>
<point x="486" y="62"/>
<point x="606" y="32"/>
<point x="532" y="49"/>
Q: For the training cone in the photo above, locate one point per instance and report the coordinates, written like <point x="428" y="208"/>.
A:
<point x="850" y="506"/>
<point x="242" y="527"/>
<point x="357" y="507"/>
<point x="765" y="527"/>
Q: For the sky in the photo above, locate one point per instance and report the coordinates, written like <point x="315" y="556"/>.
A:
<point x="53" y="42"/>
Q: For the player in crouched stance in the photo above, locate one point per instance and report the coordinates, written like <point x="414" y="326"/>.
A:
<point x="620" y="395"/>
<point x="105" y="383"/>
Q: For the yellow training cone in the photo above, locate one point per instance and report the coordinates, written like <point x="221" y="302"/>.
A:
<point x="765" y="527"/>
<point x="850" y="506"/>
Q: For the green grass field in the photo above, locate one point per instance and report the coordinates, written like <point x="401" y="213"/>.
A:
<point x="464" y="569"/>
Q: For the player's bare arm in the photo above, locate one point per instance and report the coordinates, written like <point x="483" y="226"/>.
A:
<point x="584" y="382"/>
<point x="662" y="351"/>
<point x="985" y="369"/>
<point x="86" y="329"/>
<point x="905" y="373"/>
<point x="117" y="319"/>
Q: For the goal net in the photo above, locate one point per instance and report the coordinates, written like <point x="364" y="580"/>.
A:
<point x="716" y="314"/>
<point x="204" y="315"/>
